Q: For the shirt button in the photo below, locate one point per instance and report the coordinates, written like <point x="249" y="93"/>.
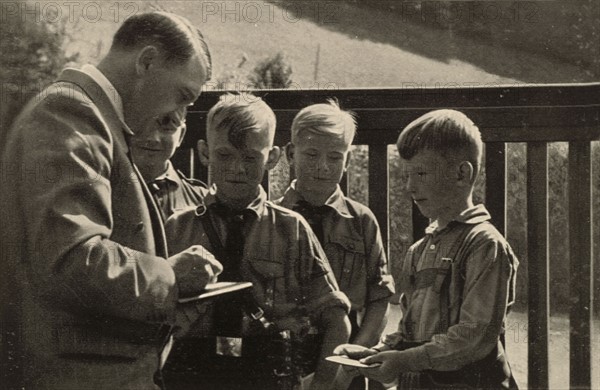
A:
<point x="269" y="291"/>
<point x="432" y="246"/>
<point x="346" y="270"/>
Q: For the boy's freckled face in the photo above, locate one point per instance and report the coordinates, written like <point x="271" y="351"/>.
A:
<point x="156" y="143"/>
<point x="319" y="161"/>
<point x="428" y="179"/>
<point x="238" y="173"/>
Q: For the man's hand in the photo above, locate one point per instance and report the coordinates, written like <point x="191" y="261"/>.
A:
<point x="194" y="268"/>
<point x="392" y="365"/>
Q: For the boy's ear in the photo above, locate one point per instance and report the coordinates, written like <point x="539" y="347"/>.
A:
<point x="347" y="163"/>
<point x="182" y="135"/>
<point x="274" y="155"/>
<point x="466" y="173"/>
<point x="146" y="58"/>
<point x="202" y="147"/>
<point x="289" y="152"/>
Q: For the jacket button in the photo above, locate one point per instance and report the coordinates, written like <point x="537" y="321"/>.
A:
<point x="139" y="227"/>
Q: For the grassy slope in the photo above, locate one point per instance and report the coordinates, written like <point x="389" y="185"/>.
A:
<point x="357" y="48"/>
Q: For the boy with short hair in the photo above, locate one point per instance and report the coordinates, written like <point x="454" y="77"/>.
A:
<point x="270" y="246"/>
<point x="458" y="281"/>
<point x="348" y="231"/>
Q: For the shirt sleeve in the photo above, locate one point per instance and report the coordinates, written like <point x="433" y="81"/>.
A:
<point x="380" y="284"/>
<point x="319" y="288"/>
<point x="393" y="339"/>
<point x="490" y="273"/>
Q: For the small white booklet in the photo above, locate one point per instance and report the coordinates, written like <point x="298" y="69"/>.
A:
<point x="346" y="361"/>
<point x="215" y="289"/>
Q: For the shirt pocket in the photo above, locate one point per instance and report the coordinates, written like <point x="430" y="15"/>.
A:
<point x="269" y="282"/>
<point x="346" y="256"/>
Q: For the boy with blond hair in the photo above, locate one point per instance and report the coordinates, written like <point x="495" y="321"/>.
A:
<point x="257" y="241"/>
<point x="348" y="231"/>
<point x="458" y="281"/>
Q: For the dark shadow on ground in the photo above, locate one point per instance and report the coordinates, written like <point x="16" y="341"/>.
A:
<point x="375" y="25"/>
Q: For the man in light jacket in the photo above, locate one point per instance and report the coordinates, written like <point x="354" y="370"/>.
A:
<point x="89" y="285"/>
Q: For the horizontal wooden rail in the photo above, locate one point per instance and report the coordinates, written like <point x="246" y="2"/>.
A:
<point x="504" y="114"/>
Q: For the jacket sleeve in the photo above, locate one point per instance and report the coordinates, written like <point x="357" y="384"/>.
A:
<point x="66" y="159"/>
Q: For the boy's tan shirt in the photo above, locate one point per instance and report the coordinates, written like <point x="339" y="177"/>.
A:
<point x="353" y="246"/>
<point x="480" y="308"/>
<point x="282" y="257"/>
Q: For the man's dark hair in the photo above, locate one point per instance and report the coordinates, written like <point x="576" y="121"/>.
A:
<point x="172" y="34"/>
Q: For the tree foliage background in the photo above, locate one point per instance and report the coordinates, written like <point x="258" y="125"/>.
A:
<point x="32" y="56"/>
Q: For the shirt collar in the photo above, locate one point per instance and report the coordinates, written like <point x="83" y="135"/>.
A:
<point x="107" y="87"/>
<point x="336" y="201"/>
<point x="471" y="216"/>
<point x="170" y="174"/>
<point x="257" y="206"/>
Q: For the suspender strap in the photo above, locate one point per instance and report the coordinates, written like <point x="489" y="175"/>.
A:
<point x="442" y="281"/>
<point x="450" y="259"/>
<point x="211" y="233"/>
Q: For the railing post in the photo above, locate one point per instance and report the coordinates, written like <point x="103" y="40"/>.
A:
<point x="580" y="258"/>
<point x="538" y="264"/>
<point x="495" y="183"/>
<point x="378" y="188"/>
<point x="192" y="163"/>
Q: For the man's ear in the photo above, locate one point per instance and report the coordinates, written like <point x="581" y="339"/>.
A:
<point x="202" y="147"/>
<point x="289" y="152"/>
<point x="466" y="173"/>
<point x="146" y="58"/>
<point x="274" y="155"/>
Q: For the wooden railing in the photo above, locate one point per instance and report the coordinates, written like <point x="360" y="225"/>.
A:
<point x="535" y="115"/>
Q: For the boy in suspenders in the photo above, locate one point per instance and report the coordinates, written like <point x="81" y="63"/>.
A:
<point x="458" y="281"/>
